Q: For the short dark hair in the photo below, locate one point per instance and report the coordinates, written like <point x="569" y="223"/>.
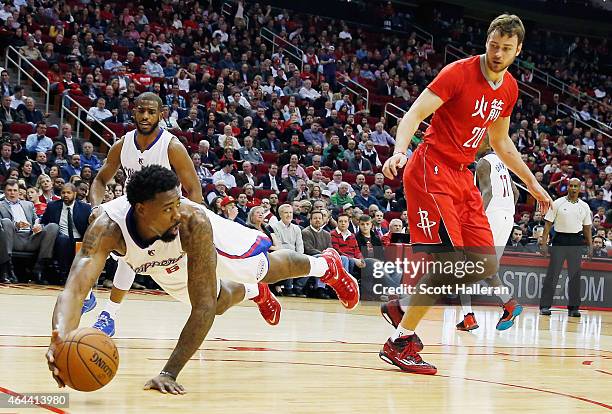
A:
<point x="149" y="96"/>
<point x="343" y="215"/>
<point x="364" y="218"/>
<point x="508" y="25"/>
<point x="145" y="184"/>
<point x="312" y="213"/>
<point x="225" y="163"/>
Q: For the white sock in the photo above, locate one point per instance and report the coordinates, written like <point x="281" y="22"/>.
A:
<point x="89" y="294"/>
<point x="251" y="290"/>
<point x="112" y="308"/>
<point x="318" y="266"/>
<point x="505" y="297"/>
<point x="404" y="304"/>
<point x="401" y="331"/>
<point x="466" y="303"/>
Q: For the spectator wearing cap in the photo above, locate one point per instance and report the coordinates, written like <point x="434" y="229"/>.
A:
<point x="229" y="210"/>
<point x="220" y="190"/>
<point x="328" y="60"/>
<point x="225" y="174"/>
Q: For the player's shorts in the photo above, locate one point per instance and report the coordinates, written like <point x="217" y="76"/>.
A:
<point x="501" y="223"/>
<point x="242" y="257"/>
<point x="445" y="210"/>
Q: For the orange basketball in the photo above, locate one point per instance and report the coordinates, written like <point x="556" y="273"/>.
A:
<point x="87" y="360"/>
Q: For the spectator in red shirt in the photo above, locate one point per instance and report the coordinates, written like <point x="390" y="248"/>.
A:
<point x="560" y="180"/>
<point x="142" y="79"/>
<point x="345" y="243"/>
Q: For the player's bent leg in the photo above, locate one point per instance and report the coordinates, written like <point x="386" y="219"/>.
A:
<point x="231" y="293"/>
<point x="124" y="277"/>
<point x="287" y="264"/>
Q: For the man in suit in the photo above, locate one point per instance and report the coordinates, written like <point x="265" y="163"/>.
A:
<point x="71" y="216"/>
<point x="22" y="232"/>
<point x="246" y="176"/>
<point x="272" y="180"/>
<point x="73" y="145"/>
<point x="270" y="143"/>
<point x="40" y="165"/>
<point x="388" y="88"/>
<point x="9" y="115"/>
<point x="5" y="160"/>
<point x="359" y="164"/>
<point x="192" y="122"/>
<point x="73" y="168"/>
<point x="291" y="181"/>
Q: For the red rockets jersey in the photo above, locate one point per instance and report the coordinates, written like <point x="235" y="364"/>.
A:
<point x="471" y="104"/>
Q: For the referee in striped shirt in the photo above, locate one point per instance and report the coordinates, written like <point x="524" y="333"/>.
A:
<point x="571" y="219"/>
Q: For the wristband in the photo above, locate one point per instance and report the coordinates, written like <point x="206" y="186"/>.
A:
<point x="167" y="374"/>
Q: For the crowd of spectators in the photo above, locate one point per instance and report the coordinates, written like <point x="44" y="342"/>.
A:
<point x="278" y="144"/>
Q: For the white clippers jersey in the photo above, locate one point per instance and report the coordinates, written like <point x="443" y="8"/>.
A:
<point x="133" y="159"/>
<point x="501" y="185"/>
<point x="166" y="263"/>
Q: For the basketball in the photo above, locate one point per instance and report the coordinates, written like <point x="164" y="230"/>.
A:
<point x="87" y="359"/>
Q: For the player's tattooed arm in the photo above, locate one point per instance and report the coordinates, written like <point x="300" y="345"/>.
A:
<point x="102" y="237"/>
<point x="197" y="241"/>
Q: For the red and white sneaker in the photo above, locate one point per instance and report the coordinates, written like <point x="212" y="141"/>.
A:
<point x="392" y="312"/>
<point x="404" y="354"/>
<point x="340" y="280"/>
<point x="468" y="323"/>
<point x="268" y="305"/>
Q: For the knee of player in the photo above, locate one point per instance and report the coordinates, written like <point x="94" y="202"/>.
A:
<point x="489" y="265"/>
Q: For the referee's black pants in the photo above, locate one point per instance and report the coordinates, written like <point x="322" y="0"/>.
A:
<point x="565" y="246"/>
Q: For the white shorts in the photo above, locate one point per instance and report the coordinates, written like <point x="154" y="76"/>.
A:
<point x="247" y="264"/>
<point x="501" y="223"/>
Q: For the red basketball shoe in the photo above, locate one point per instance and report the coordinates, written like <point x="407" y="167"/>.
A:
<point x="340" y="280"/>
<point x="468" y="323"/>
<point x="404" y="354"/>
<point x="268" y="305"/>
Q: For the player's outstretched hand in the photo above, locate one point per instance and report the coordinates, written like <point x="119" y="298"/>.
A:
<point x="55" y="342"/>
<point x="165" y="385"/>
<point x="393" y="163"/>
<point x="540" y="194"/>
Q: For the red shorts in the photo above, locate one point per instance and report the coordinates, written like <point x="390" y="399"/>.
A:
<point x="444" y="206"/>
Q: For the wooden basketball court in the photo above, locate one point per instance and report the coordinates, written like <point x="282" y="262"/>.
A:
<point x="321" y="359"/>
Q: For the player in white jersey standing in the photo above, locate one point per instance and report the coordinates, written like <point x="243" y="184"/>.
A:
<point x="149" y="144"/>
<point x="499" y="197"/>
<point x="185" y="248"/>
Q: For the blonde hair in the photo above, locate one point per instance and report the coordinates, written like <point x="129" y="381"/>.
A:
<point x="508" y="25"/>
